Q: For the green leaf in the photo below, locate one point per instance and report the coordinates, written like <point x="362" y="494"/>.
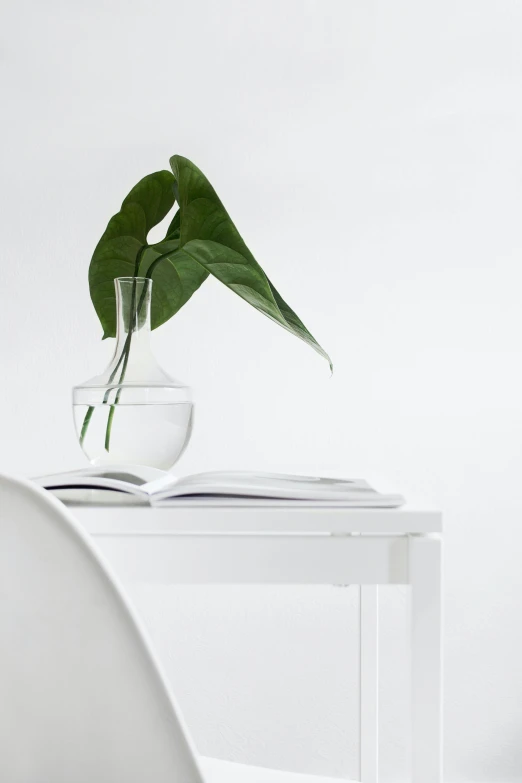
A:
<point x="175" y="226"/>
<point x="201" y="240"/>
<point x="175" y="278"/>
<point x="124" y="241"/>
<point x="209" y="237"/>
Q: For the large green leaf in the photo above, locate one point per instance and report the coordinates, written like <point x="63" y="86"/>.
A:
<point x="123" y="252"/>
<point x="175" y="277"/>
<point x="201" y="240"/>
<point x="209" y="237"/>
<point x="125" y="239"/>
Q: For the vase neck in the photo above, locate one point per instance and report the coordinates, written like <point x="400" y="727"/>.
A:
<point x="133" y="300"/>
<point x="133" y="363"/>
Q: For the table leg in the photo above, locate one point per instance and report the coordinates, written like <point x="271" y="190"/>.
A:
<point x="369" y="684"/>
<point x="425" y="563"/>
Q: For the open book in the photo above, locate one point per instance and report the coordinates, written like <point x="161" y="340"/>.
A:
<point x="160" y="488"/>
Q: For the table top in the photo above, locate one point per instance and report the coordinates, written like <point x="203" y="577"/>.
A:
<point x="202" y="516"/>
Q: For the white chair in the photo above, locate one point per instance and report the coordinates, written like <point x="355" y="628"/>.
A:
<point x="82" y="697"/>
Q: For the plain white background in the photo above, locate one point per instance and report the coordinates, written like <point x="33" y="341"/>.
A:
<point x="371" y="155"/>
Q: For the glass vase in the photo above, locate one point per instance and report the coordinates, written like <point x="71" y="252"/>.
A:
<point x="133" y="413"/>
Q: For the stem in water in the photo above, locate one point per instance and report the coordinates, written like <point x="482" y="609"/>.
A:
<point x="124" y="357"/>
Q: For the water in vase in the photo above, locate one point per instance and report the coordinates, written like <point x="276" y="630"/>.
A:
<point x="146" y="434"/>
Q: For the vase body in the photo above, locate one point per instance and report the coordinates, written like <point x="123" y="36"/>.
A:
<point x="133" y="413"/>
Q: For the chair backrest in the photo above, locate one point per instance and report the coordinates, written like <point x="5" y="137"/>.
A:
<point x="82" y="699"/>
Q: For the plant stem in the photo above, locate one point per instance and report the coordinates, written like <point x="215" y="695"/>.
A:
<point x="116" y="401"/>
<point x="90" y="409"/>
<point x="156" y="261"/>
<point x="86" y="421"/>
<point x="124" y="357"/>
<point x="125" y="354"/>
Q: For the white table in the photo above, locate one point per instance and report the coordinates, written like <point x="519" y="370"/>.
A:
<point x="199" y="541"/>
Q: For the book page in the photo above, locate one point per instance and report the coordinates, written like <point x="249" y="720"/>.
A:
<point x="268" y="485"/>
<point x="131" y="479"/>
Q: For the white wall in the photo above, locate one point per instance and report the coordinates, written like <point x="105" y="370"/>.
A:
<point x="371" y="154"/>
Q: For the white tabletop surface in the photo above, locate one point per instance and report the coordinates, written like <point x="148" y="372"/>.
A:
<point x="207" y="516"/>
